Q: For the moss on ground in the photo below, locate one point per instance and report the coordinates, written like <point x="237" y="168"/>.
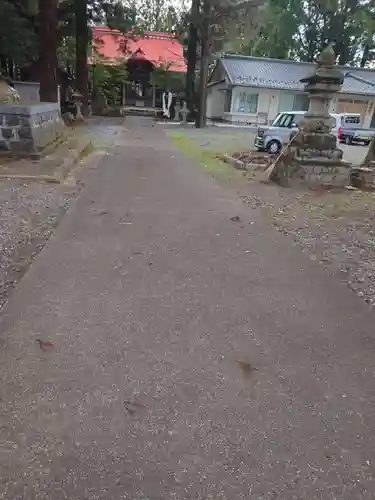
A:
<point x="208" y="160"/>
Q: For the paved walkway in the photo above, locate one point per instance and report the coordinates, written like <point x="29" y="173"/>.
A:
<point x="153" y="295"/>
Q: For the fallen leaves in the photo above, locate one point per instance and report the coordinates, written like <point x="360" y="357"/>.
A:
<point x="247" y="368"/>
<point x="100" y="213"/>
<point x="45" y="345"/>
<point x="132" y="406"/>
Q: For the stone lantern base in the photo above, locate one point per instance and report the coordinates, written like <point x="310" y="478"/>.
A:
<point x="312" y="159"/>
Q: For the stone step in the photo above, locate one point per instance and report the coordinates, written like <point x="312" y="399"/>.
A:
<point x="362" y="177"/>
<point x="134" y="111"/>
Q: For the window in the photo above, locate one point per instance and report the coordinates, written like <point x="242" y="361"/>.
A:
<point x="289" y="120"/>
<point x="246" y="103"/>
<point x="228" y="101"/>
<point x="283" y="120"/>
<point x="353" y="119"/>
<point x="276" y="121"/>
<point x="301" y="102"/>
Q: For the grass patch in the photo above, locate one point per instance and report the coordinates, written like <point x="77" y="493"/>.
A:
<point x="207" y="160"/>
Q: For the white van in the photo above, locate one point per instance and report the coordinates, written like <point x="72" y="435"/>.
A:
<point x="274" y="137"/>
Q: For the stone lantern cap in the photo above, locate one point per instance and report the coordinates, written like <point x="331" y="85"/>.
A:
<point x="325" y="70"/>
<point x="77" y="96"/>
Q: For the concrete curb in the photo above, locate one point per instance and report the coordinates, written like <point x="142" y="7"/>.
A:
<point x="238" y="164"/>
<point x="70" y="162"/>
<point x="242" y="165"/>
<point x="60" y="172"/>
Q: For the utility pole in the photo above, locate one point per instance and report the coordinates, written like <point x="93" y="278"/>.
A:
<point x="203" y="73"/>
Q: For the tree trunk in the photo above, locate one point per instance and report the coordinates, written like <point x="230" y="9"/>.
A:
<point x="48" y="50"/>
<point x="370" y="154"/>
<point x="192" y="55"/>
<point x="203" y="73"/>
<point x="82" y="40"/>
<point x="4" y="65"/>
<point x="365" y="56"/>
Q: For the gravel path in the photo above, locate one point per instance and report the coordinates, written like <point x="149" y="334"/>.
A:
<point x="29" y="213"/>
<point x="336" y="229"/>
<point x="198" y="355"/>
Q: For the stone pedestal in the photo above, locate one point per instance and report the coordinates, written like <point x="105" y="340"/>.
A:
<point x="312" y="156"/>
<point x="184" y="113"/>
<point x="79" y="115"/>
<point x="295" y="166"/>
<point x="177" y="117"/>
<point x="27" y="130"/>
<point x="77" y="98"/>
<point x="362" y="178"/>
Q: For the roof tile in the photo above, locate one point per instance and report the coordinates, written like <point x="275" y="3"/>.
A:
<point x="158" y="48"/>
<point x="286" y="75"/>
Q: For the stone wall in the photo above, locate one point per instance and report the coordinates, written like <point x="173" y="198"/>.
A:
<point x="28" y="91"/>
<point x="25" y="130"/>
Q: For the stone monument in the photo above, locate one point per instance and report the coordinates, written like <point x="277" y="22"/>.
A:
<point x="184" y="113"/>
<point x="8" y="95"/>
<point x="27" y="129"/>
<point x="177" y="116"/>
<point x="312" y="156"/>
<point x="77" y="98"/>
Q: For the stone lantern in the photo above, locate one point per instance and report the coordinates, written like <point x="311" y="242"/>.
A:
<point x="77" y="98"/>
<point x="312" y="156"/>
<point x="320" y="86"/>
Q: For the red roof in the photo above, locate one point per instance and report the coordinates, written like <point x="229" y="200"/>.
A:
<point x="158" y="48"/>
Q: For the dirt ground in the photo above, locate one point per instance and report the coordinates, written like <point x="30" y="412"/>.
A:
<point x="336" y="228"/>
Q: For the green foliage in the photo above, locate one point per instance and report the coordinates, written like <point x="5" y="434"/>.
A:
<point x="107" y="79"/>
<point x="300" y="29"/>
<point x="161" y="16"/>
<point x="121" y="16"/>
<point x="231" y="24"/>
<point x="275" y="34"/>
<point x="66" y="52"/>
<point x="17" y="33"/>
<point x="162" y="78"/>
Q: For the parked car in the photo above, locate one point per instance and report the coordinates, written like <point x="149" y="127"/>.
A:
<point x="356" y="136"/>
<point x="277" y="135"/>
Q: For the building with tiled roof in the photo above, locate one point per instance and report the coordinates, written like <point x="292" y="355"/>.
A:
<point x="142" y="54"/>
<point x="158" y="48"/>
<point x="255" y="89"/>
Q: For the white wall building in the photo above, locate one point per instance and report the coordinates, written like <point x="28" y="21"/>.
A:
<point x="253" y="90"/>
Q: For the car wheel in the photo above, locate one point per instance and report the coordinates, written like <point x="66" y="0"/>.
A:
<point x="273" y="147"/>
<point x="348" y="141"/>
<point x="367" y="143"/>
